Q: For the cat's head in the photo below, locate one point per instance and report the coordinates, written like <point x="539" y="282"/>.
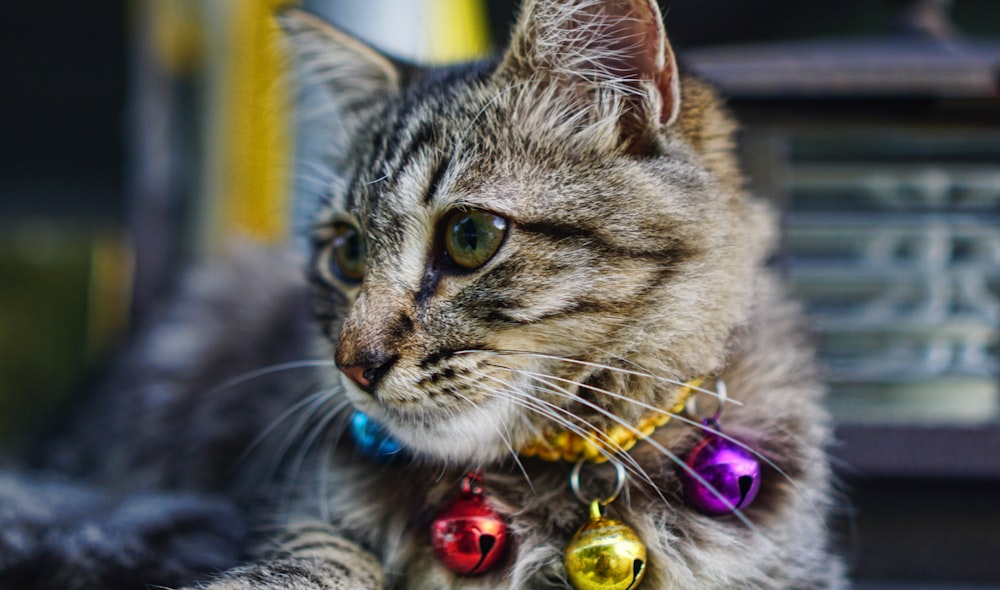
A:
<point x="501" y="242"/>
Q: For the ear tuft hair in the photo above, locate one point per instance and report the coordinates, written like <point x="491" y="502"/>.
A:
<point x="350" y="75"/>
<point x="595" y="47"/>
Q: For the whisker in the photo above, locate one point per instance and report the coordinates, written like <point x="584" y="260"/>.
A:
<point x="269" y="370"/>
<point x="326" y="416"/>
<point x="546" y="409"/>
<point x="552" y="412"/>
<point x="610" y="448"/>
<point x="505" y="439"/>
<point x="695" y="423"/>
<point x="673" y="457"/>
<point x="335" y="438"/>
<point x="599" y="366"/>
<point x="377" y="180"/>
<point x="620" y="453"/>
<point x="288" y="413"/>
<point x="694" y="474"/>
<point x="322" y="415"/>
<point x="309" y="413"/>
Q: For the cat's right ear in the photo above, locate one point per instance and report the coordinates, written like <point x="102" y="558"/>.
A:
<point x="350" y="74"/>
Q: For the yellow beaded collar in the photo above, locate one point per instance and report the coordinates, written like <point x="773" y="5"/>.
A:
<point x="595" y="447"/>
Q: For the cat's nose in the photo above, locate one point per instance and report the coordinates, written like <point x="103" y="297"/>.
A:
<point x="367" y="375"/>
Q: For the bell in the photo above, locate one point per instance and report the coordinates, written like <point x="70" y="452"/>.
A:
<point x="605" y="554"/>
<point x="373" y="440"/>
<point x="731" y="472"/>
<point x="467" y="535"/>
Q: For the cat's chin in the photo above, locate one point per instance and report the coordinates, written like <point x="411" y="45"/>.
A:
<point x="458" y="440"/>
<point x="452" y="437"/>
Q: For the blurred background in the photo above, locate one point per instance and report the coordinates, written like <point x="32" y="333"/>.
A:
<point x="136" y="136"/>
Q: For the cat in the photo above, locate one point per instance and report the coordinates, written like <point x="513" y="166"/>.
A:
<point x="554" y="241"/>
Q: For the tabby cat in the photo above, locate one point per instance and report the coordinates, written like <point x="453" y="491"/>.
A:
<point x="551" y="244"/>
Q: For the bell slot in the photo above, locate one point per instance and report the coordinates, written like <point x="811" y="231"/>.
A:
<point x="746" y="484"/>
<point x="637" y="565"/>
<point x="486" y="544"/>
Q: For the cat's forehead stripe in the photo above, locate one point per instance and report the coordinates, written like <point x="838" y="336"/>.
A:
<point x="398" y="146"/>
<point x="416" y="130"/>
<point x="399" y="154"/>
<point x="436" y="178"/>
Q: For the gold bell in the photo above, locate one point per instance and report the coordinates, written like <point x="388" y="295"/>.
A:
<point x="605" y="554"/>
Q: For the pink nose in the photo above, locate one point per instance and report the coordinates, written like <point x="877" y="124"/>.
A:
<point x="357" y="373"/>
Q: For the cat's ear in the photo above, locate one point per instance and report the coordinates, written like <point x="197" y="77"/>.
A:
<point x="594" y="46"/>
<point x="351" y="75"/>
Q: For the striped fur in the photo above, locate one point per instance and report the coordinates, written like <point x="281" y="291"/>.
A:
<point x="632" y="245"/>
<point x="633" y="259"/>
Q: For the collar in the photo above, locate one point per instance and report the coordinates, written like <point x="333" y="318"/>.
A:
<point x="598" y="446"/>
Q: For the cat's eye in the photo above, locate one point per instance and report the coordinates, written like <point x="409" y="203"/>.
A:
<point x="471" y="238"/>
<point x="347" y="257"/>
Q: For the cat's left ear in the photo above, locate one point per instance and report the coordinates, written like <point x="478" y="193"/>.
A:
<point x="591" y="46"/>
<point x="351" y="75"/>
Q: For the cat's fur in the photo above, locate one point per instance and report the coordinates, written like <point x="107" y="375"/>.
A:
<point x="632" y="246"/>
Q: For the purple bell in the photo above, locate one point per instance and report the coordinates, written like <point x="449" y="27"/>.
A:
<point x="731" y="471"/>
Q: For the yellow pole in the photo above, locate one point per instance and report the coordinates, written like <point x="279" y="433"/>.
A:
<point x="460" y="30"/>
<point x="256" y="137"/>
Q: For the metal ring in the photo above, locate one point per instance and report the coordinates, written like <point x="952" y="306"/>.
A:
<point x="574" y="484"/>
<point x="691" y="406"/>
<point x="721" y="395"/>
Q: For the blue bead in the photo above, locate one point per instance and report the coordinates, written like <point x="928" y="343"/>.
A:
<point x="372" y="439"/>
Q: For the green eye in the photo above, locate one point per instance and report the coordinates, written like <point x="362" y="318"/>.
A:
<point x="347" y="257"/>
<point x="471" y="238"/>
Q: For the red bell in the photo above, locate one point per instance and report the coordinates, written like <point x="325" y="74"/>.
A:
<point x="468" y="536"/>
